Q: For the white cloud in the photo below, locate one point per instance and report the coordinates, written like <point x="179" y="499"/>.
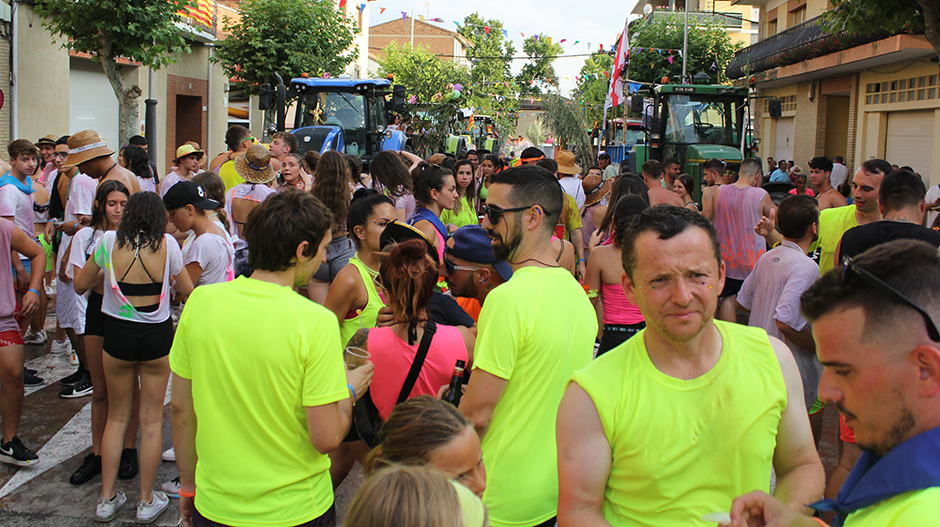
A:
<point x="597" y="22"/>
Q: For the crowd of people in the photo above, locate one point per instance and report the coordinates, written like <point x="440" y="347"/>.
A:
<point x="522" y="342"/>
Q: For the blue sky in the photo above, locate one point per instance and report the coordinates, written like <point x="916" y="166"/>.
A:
<point x="597" y="22"/>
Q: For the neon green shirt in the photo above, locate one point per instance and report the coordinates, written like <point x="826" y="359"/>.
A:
<point x="466" y="216"/>
<point x="833" y="223"/>
<point x="535" y="331"/>
<point x="369" y="313"/>
<point x="918" y="508"/>
<point x="685" y="448"/>
<point x="257" y="354"/>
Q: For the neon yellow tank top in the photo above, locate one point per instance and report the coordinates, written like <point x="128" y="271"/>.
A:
<point x="682" y="449"/>
<point x="229" y="175"/>
<point x="466" y="216"/>
<point x="369" y="313"/>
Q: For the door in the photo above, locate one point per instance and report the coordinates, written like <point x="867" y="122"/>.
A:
<point x="92" y="103"/>
<point x="909" y="140"/>
<point x="783" y="149"/>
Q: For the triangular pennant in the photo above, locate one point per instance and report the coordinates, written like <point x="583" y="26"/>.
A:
<point x="458" y="23"/>
<point x="549" y="41"/>
<point x="381" y="10"/>
<point x="421" y="17"/>
<point x="342" y="4"/>
<point x="536" y="38"/>
<point x="562" y="41"/>
<point x="506" y="33"/>
<point x="404" y="15"/>
<point x="669" y="59"/>
<point x="486" y="30"/>
<point x="576" y="42"/>
<point x="361" y="8"/>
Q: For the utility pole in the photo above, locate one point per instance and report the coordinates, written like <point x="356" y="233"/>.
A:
<point x="685" y="42"/>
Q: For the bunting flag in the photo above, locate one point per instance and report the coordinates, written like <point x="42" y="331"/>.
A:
<point x="362" y="8"/>
<point x="536" y="38"/>
<point x="419" y="16"/>
<point x="506" y="33"/>
<point x="669" y="59"/>
<point x="342" y="4"/>
<point x="404" y="16"/>
<point x="562" y="41"/>
<point x="486" y="29"/>
<point x="381" y="10"/>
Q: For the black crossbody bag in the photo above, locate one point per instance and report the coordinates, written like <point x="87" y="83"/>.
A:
<point x="365" y="415"/>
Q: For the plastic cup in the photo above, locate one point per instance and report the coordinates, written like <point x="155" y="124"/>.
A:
<point x="355" y="357"/>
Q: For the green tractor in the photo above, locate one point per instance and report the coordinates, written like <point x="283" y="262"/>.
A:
<point x="693" y="123"/>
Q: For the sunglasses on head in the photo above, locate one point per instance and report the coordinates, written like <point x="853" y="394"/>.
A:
<point x="890" y="292"/>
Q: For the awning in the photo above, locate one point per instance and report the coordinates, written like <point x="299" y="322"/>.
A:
<point x="796" y="44"/>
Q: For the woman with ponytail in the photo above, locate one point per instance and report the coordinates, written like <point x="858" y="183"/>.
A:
<point x="435" y="191"/>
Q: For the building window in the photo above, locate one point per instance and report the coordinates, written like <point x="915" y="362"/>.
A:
<point x="902" y="90"/>
<point x="771" y="28"/>
<point x="798" y="16"/>
<point x="789" y="104"/>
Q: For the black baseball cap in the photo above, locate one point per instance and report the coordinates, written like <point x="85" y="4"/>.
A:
<point x="188" y="193"/>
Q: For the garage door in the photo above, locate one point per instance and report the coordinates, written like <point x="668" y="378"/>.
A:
<point x="784" y="146"/>
<point x="910" y="140"/>
<point x="92" y="103"/>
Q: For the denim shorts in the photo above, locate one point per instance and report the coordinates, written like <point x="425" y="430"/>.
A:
<point x="338" y="253"/>
<point x="27" y="266"/>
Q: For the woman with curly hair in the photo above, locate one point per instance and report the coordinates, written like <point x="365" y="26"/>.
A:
<point x="138" y="262"/>
<point x="331" y="187"/>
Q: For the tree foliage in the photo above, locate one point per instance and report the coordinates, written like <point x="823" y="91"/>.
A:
<point x="893" y="16"/>
<point x="430" y="80"/>
<point x="287" y="37"/>
<point x="593" y="85"/>
<point x="566" y="121"/>
<point x="542" y="53"/>
<point x="143" y="31"/>
<point x="492" y="84"/>
<point x="710" y="50"/>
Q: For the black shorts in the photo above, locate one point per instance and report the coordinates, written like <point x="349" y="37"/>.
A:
<point x="137" y="341"/>
<point x="94" y="318"/>
<point x="732" y="287"/>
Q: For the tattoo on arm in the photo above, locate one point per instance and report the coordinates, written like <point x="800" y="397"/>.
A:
<point x="359" y="339"/>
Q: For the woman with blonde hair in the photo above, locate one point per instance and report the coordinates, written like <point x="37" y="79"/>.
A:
<point x="414" y="497"/>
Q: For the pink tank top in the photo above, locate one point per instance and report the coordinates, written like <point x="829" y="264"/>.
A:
<point x="617" y="309"/>
<point x="7" y="286"/>
<point x="737" y="212"/>
<point x="392" y="358"/>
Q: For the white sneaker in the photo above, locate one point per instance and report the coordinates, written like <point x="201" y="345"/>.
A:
<point x="60" y="346"/>
<point x="108" y="509"/>
<point x="149" y="512"/>
<point x="169" y="455"/>
<point x="35" y="338"/>
<point x="49" y="292"/>
<point x="73" y="360"/>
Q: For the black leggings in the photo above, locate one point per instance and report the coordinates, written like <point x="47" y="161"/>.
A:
<point x="617" y="334"/>
<point x="328" y="519"/>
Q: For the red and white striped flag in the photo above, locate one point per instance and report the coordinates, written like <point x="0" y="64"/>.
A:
<point x="615" y="96"/>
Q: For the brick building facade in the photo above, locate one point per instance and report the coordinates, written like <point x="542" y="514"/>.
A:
<point x="444" y="43"/>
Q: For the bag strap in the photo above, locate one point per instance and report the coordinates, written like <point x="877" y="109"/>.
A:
<point x="429" y="330"/>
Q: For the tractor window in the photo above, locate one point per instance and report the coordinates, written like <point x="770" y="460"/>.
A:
<point x="694" y="121"/>
<point x="345" y="110"/>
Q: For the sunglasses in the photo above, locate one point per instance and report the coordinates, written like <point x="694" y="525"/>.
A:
<point x="890" y="292"/>
<point x="61" y="154"/>
<point x="494" y="213"/>
<point x="450" y="267"/>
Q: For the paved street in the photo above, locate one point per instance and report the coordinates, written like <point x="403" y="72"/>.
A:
<point x="59" y="431"/>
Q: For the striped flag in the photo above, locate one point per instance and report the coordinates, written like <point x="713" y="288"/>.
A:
<point x="615" y="96"/>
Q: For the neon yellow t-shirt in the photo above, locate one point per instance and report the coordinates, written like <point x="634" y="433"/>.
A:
<point x="466" y="216"/>
<point x="229" y="175"/>
<point x="833" y="223"/>
<point x="918" y="508"/>
<point x="369" y="313"/>
<point x="682" y="449"/>
<point x="257" y="354"/>
<point x="535" y="331"/>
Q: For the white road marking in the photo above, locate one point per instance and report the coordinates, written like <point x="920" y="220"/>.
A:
<point x="51" y="369"/>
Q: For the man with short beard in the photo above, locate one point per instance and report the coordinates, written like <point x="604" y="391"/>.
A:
<point x="471" y="269"/>
<point x="885" y="382"/>
<point x="535" y="331"/>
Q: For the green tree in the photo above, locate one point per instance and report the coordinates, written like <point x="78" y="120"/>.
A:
<point x="287" y="37"/>
<point x="542" y="53"/>
<point x="430" y="80"/>
<point x="710" y="50"/>
<point x="593" y="84"/>
<point x="893" y="16"/>
<point x="492" y="86"/>
<point x="143" y="31"/>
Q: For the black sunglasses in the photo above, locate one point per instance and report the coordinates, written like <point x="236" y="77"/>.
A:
<point x="494" y="213"/>
<point x="891" y="293"/>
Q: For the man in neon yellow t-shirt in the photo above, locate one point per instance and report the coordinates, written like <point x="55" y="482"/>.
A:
<point x="675" y="422"/>
<point x="535" y="331"/>
<point x="886" y="384"/>
<point x="260" y="393"/>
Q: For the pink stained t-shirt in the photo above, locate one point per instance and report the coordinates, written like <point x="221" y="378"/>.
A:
<point x="392" y="358"/>
<point x="737" y="212"/>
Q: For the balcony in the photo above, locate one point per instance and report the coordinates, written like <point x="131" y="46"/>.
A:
<point x="801" y="42"/>
<point x="730" y="20"/>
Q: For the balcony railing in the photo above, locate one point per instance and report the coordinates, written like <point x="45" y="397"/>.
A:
<point x="801" y="42"/>
<point x="701" y="18"/>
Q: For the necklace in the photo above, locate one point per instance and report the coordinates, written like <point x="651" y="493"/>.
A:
<point x="537" y="261"/>
<point x="108" y="170"/>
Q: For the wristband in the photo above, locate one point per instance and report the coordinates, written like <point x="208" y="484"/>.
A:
<point x="353" y="390"/>
<point x="582" y="260"/>
<point x="184" y="494"/>
<point x="33" y="290"/>
<point x="74" y="229"/>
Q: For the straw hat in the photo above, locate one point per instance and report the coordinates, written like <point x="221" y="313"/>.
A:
<point x="187" y="149"/>
<point x="255" y="165"/>
<point x="48" y="139"/>
<point x="85" y="146"/>
<point x="595" y="188"/>
<point x="566" y="164"/>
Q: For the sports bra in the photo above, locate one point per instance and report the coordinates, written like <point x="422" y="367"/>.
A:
<point x="129" y="289"/>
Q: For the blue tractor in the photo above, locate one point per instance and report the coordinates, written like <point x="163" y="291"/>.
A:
<point x="346" y="115"/>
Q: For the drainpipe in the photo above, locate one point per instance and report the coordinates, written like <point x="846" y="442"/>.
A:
<point x="14" y="69"/>
<point x="150" y="121"/>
